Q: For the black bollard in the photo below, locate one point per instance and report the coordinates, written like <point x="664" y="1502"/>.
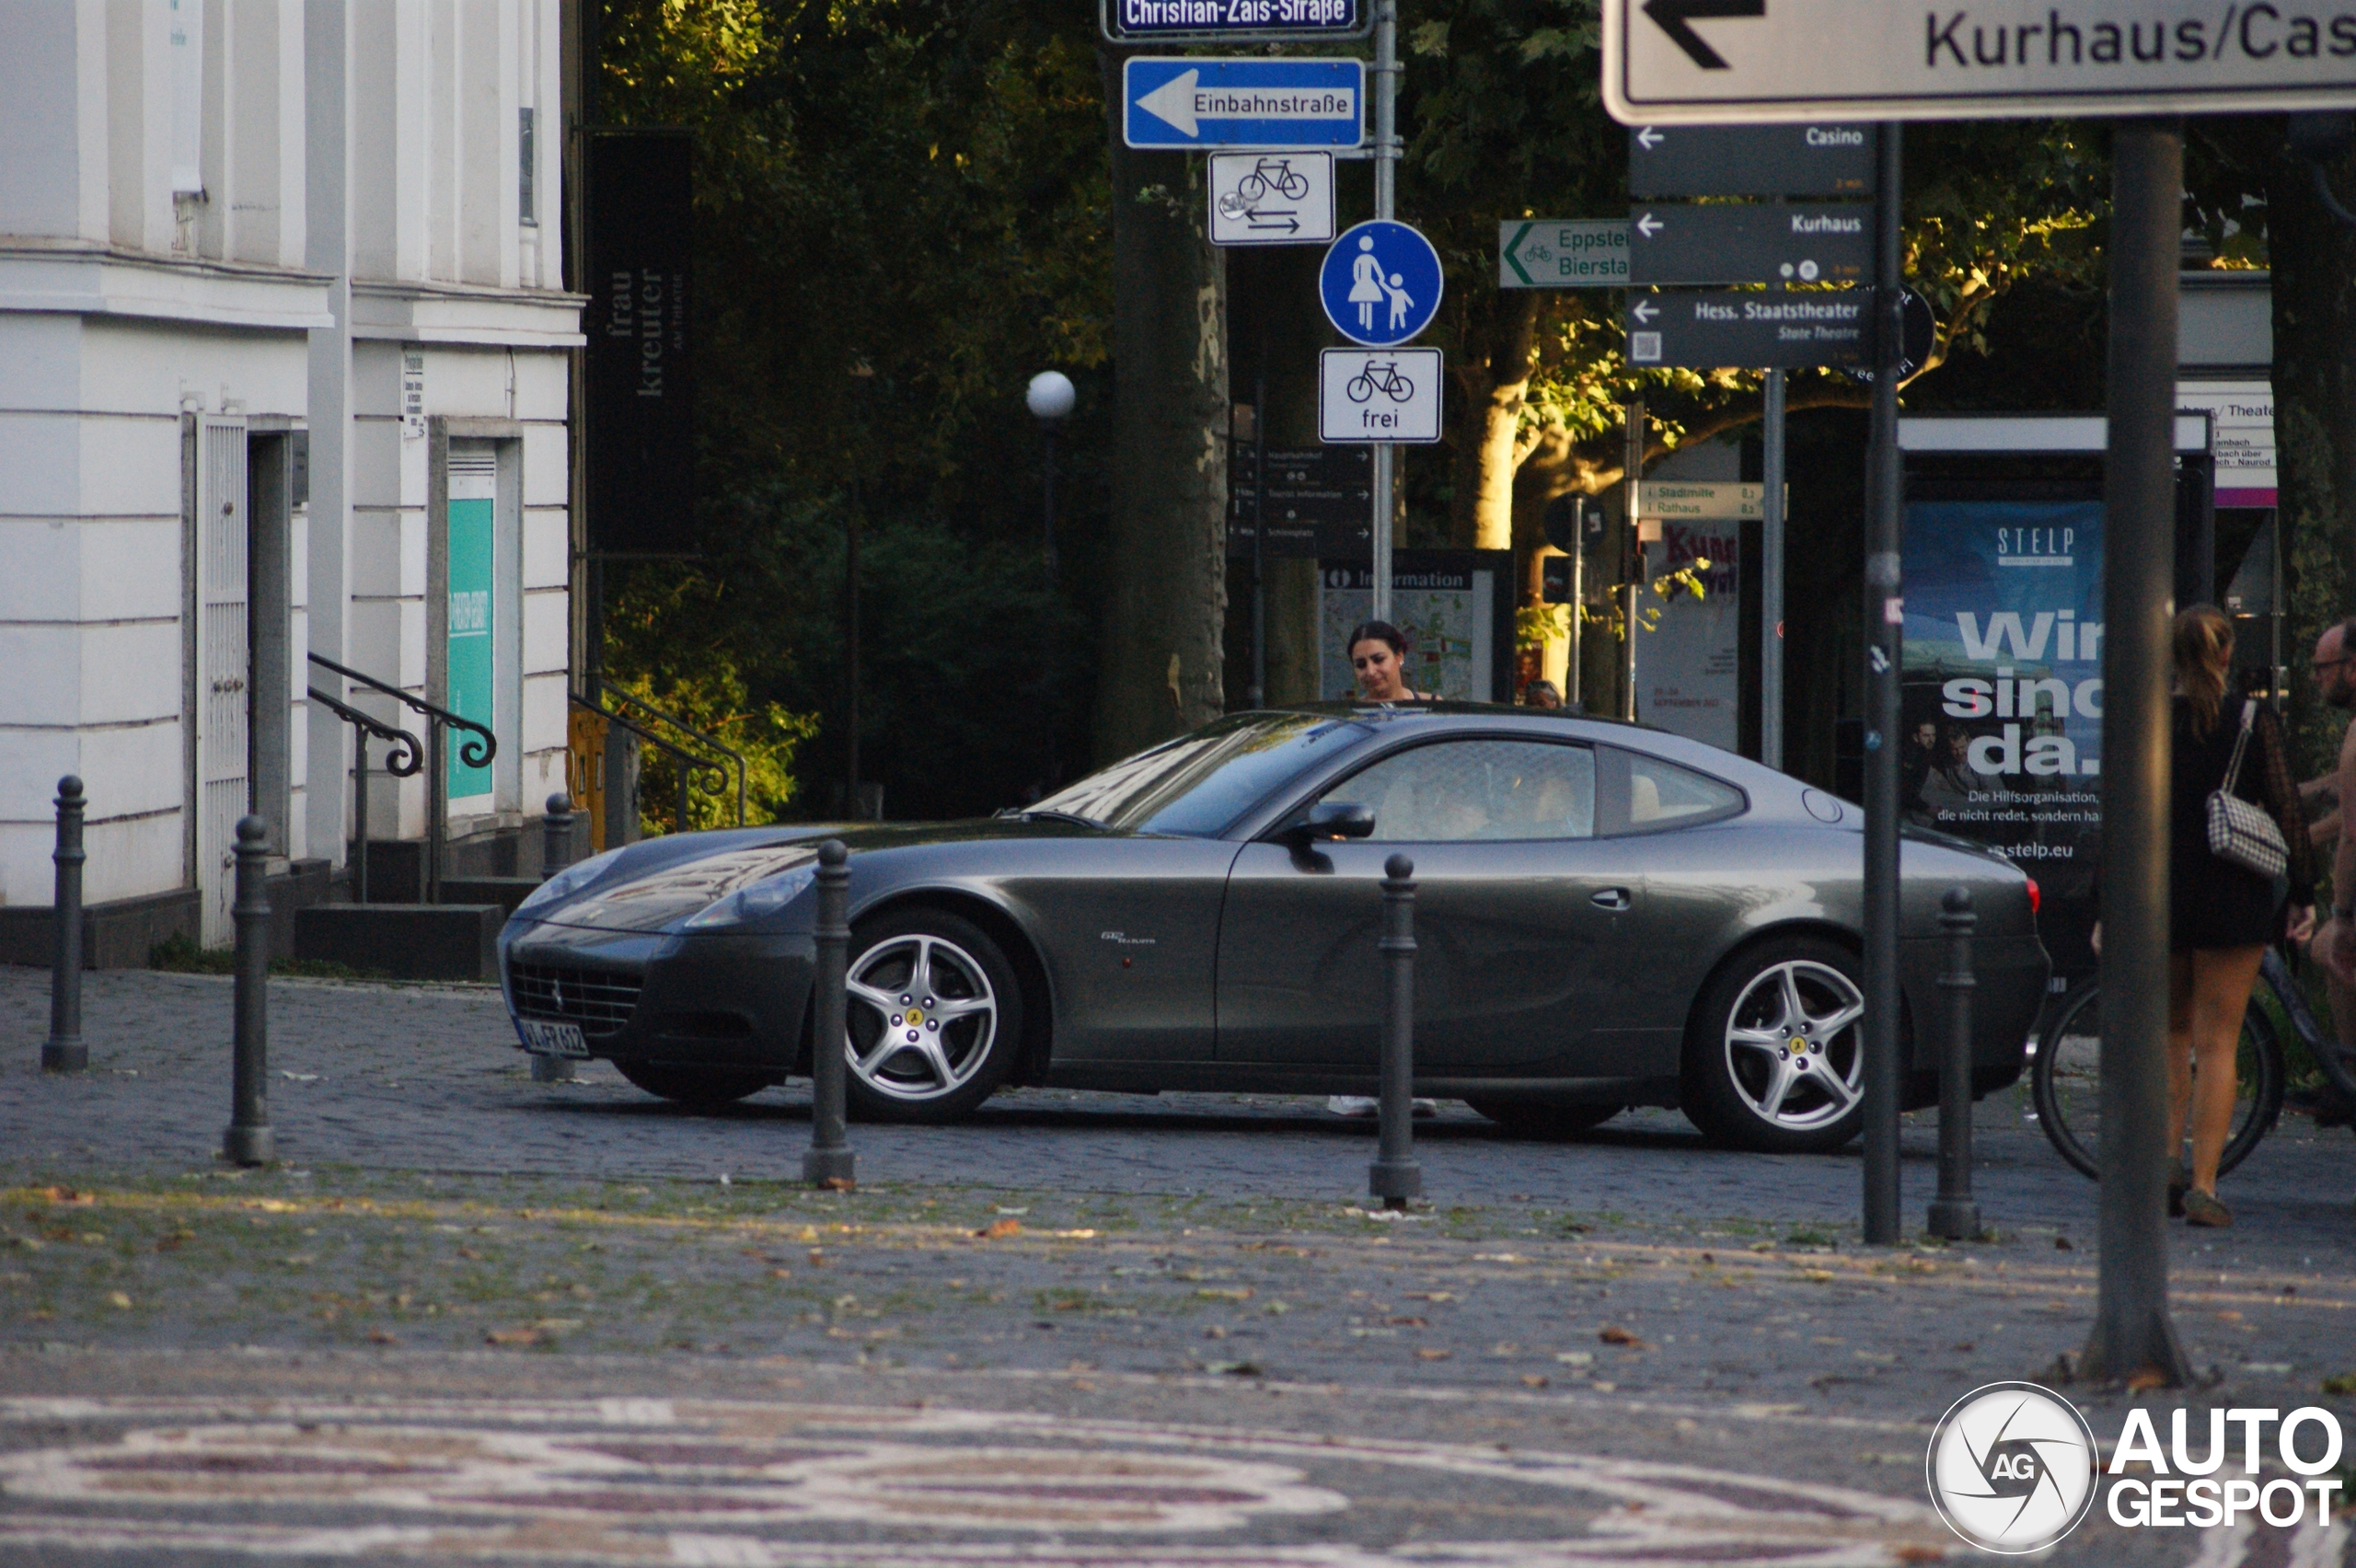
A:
<point x="1394" y="1177"/>
<point x="828" y="1162"/>
<point x="1954" y="1214"/>
<point x="248" y="1141"/>
<point x="555" y="835"/>
<point x="63" y="1052"/>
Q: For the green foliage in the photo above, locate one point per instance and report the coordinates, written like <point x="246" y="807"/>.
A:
<point x="708" y="694"/>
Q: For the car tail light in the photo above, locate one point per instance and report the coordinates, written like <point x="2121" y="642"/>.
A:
<point x="2036" y="899"/>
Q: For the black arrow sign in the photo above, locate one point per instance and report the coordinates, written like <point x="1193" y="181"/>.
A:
<point x="1676" y="17"/>
<point x="1290" y="226"/>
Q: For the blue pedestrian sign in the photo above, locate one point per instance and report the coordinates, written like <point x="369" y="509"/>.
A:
<point x="1274" y="104"/>
<point x="1381" y="284"/>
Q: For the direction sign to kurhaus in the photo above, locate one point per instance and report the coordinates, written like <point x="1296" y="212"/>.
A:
<point x="1669" y="62"/>
<point x="1708" y="330"/>
<point x="1750" y="160"/>
<point x="1720" y="244"/>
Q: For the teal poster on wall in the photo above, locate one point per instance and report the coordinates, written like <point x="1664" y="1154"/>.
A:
<point x="473" y="485"/>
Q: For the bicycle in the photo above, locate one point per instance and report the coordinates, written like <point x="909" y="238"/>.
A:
<point x="2065" y="1069"/>
<point x="1277" y="173"/>
<point x="1383" y="378"/>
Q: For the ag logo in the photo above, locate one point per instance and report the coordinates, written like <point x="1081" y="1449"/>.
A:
<point x="2012" y="1467"/>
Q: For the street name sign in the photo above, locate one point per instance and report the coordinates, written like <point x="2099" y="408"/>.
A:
<point x="1270" y="104"/>
<point x="1713" y="329"/>
<point x="1818" y="243"/>
<point x="1563" y="253"/>
<point x="1692" y="62"/>
<point x="1381" y="284"/>
<point x="1231" y="21"/>
<point x="1379" y="394"/>
<point x="1750" y="160"/>
<point x="1272" y="197"/>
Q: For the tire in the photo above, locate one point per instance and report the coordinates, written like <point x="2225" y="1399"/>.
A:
<point x="935" y="1018"/>
<point x="1529" y="1119"/>
<point x="1353" y="391"/>
<point x="705" y="1089"/>
<point x="1743" y="1087"/>
<point x="2065" y="1078"/>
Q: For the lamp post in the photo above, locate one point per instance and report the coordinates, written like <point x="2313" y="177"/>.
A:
<point x="1049" y="397"/>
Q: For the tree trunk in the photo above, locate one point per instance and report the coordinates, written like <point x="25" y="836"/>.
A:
<point x="1490" y="429"/>
<point x="1166" y="582"/>
<point x="2314" y="259"/>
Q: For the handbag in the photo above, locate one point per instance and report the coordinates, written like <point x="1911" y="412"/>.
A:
<point x="2239" y="833"/>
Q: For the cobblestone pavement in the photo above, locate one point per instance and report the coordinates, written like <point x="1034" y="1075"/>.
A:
<point x="455" y="1258"/>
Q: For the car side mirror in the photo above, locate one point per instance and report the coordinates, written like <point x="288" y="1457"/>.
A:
<point x="1329" y="819"/>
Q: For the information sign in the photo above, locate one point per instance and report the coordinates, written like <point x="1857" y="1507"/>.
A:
<point x="1273" y="104"/>
<point x="1691" y="62"/>
<point x="1722" y="244"/>
<point x="1320" y="501"/>
<point x="1379" y="394"/>
<point x="1750" y="160"/>
<point x="1563" y="253"/>
<point x="1709" y="330"/>
<point x="1230" y="21"/>
<point x="1272" y="197"/>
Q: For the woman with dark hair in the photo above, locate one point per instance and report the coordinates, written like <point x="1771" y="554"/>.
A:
<point x="2221" y="916"/>
<point x="1378" y="652"/>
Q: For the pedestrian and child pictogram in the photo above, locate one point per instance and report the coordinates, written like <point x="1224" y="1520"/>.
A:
<point x="1381" y="284"/>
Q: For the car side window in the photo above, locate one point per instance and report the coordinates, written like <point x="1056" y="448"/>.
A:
<point x="1454" y="791"/>
<point x="1645" y="794"/>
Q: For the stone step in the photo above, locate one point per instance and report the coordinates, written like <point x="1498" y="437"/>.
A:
<point x="409" y="942"/>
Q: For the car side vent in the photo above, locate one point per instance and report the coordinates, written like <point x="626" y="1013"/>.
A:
<point x="599" y="999"/>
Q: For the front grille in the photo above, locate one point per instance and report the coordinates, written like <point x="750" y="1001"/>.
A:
<point x="599" y="999"/>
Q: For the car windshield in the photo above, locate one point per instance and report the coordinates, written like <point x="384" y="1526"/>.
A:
<point x="1199" y="783"/>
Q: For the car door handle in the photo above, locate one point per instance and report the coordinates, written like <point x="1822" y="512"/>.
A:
<point x="1611" y="898"/>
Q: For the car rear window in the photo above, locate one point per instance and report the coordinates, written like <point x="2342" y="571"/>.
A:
<point x="1641" y="793"/>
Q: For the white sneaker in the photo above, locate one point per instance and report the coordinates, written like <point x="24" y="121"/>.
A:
<point x="1362" y="1105"/>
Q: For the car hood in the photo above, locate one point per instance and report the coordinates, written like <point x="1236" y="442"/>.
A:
<point x="657" y="884"/>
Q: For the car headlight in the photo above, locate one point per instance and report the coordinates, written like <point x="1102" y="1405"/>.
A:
<point x="568" y="881"/>
<point x="763" y="898"/>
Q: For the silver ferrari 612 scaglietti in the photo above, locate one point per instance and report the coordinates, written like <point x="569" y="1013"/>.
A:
<point x="1606" y="916"/>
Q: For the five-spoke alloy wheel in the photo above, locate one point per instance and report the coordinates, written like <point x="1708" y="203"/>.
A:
<point x="1774" y="1057"/>
<point x="935" y="1016"/>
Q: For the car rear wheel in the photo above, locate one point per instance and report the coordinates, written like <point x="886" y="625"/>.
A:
<point x="1530" y="1119"/>
<point x="935" y="1016"/>
<point x="1774" y="1056"/>
<point x="696" y="1087"/>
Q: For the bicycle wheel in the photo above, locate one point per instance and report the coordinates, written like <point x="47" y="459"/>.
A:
<point x="1360" y="388"/>
<point x="1251" y="187"/>
<point x="1293" y="184"/>
<point x="2066" y="1080"/>
<point x="1401" y="389"/>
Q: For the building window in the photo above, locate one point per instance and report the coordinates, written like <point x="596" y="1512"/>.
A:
<point x="526" y="205"/>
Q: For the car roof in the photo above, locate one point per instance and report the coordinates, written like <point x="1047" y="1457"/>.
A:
<point x="1409" y="712"/>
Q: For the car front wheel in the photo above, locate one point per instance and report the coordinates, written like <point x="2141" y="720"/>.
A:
<point x="935" y="1016"/>
<point x="1774" y="1057"/>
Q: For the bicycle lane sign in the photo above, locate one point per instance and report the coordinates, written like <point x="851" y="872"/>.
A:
<point x="1379" y="394"/>
<point x="1272" y="197"/>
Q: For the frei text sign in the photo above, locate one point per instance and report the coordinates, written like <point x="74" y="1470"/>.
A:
<point x="1379" y="394"/>
<point x="1269" y="104"/>
<point x="1219" y="21"/>
<point x="1818" y="243"/>
<point x="1563" y="253"/>
<point x="1272" y="197"/>
<point x="1750" y="160"/>
<point x="1668" y="61"/>
<point x="1706" y="330"/>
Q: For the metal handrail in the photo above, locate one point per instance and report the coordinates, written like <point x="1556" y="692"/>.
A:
<point x="691" y="766"/>
<point x="713" y="741"/>
<point x="408" y="754"/>
<point x="475" y="751"/>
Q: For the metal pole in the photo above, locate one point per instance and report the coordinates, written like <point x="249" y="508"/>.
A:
<point x="1260" y="519"/>
<point x="1771" y="579"/>
<point x="2132" y="1332"/>
<point x="64" y="1051"/>
<point x="1953" y="1214"/>
<point x="850" y="652"/>
<point x="1394" y="1177"/>
<point x="1882" y="609"/>
<point x="1571" y="693"/>
<point x="437" y="814"/>
<point x="829" y="1160"/>
<point x="1386" y="202"/>
<point x="360" y="816"/>
<point x="1632" y="555"/>
<point x="555" y="835"/>
<point x="249" y="1140"/>
<point x="1047" y="487"/>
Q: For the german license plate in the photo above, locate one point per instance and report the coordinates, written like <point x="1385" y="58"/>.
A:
<point x="552" y="1039"/>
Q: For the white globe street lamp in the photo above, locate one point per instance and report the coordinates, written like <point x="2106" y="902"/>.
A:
<point x="1050" y="398"/>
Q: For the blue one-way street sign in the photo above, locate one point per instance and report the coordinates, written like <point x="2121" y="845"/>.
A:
<point x="1381" y="284"/>
<point x="1274" y="104"/>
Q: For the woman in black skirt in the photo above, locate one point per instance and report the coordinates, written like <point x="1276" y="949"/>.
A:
<point x="2221" y="916"/>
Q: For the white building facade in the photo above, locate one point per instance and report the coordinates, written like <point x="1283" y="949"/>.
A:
<point x="285" y="370"/>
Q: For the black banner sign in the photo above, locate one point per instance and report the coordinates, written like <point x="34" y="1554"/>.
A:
<point x="638" y="423"/>
<point x="1319" y="502"/>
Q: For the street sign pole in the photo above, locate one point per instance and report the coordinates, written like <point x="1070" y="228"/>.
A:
<point x="1259" y="520"/>
<point x="1631" y="556"/>
<point x="1771" y="579"/>
<point x="1386" y="202"/>
<point x="2132" y="1332"/>
<point x="1884" y="617"/>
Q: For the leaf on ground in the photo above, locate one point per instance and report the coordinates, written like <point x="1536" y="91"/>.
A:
<point x="2340" y="1383"/>
<point x="120" y="1299"/>
<point x="66" y="1196"/>
<point x="1535" y="1379"/>
<point x="1224" y="1293"/>
<point x="1432" y="1353"/>
<point x="999" y="1229"/>
<point x="515" y="1336"/>
<point x="1612" y="1334"/>
<point x="2145" y="1378"/>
